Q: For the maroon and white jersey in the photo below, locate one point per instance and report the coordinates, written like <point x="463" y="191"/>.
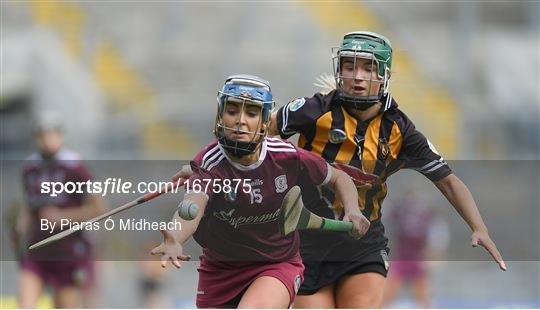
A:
<point x="243" y="224"/>
<point x="65" y="166"/>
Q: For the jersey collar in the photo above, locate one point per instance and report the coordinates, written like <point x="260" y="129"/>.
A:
<point x="241" y="167"/>
<point x="388" y="102"/>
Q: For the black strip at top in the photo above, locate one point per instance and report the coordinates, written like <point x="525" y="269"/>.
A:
<point x="359" y="138"/>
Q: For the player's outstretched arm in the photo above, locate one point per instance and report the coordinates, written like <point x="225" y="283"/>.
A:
<point x="171" y="247"/>
<point x="185" y="173"/>
<point x="346" y="191"/>
<point x="461" y="198"/>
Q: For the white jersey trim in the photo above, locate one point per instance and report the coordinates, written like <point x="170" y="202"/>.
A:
<point x="285" y="120"/>
<point x="210" y="160"/>
<point x="209" y="153"/>
<point x="388" y="101"/>
<point x="281" y="150"/>
<point x="212" y="165"/>
<point x="328" y="175"/>
<point x="282" y="145"/>
<point x="431" y="166"/>
<point x="278" y="143"/>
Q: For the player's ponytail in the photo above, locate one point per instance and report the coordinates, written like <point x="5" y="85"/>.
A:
<point x="326" y="82"/>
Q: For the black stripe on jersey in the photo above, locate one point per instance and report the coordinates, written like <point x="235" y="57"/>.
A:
<point x="359" y="138"/>
<point x="368" y="208"/>
<point x="393" y="167"/>
<point x="305" y="140"/>
<point x="304" y="143"/>
<point x="383" y="152"/>
<point x="395" y="164"/>
<point x="330" y="149"/>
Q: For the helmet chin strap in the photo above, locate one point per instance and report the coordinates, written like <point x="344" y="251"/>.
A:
<point x="234" y="147"/>
<point x="238" y="148"/>
<point x="356" y="102"/>
<point x="353" y="102"/>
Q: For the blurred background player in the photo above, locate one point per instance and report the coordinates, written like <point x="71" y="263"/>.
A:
<point x="418" y="235"/>
<point x="246" y="262"/>
<point x="66" y="266"/>
<point x="359" y="123"/>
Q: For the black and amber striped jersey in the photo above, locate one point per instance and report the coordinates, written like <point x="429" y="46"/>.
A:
<point x="381" y="145"/>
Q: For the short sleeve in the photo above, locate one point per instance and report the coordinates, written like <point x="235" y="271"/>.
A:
<point x="298" y="116"/>
<point x="419" y="154"/>
<point x="200" y="176"/>
<point x="314" y="167"/>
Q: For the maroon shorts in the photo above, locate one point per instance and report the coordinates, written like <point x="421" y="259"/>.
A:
<point x="222" y="283"/>
<point x="59" y="274"/>
<point x="407" y="270"/>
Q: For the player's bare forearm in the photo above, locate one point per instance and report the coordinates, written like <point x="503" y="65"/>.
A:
<point x="189" y="227"/>
<point x="461" y="198"/>
<point x="273" y="126"/>
<point x="345" y="190"/>
<point x="171" y="247"/>
<point x="185" y="173"/>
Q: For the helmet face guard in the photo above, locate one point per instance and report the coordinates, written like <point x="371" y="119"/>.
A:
<point x="243" y="91"/>
<point x="363" y="45"/>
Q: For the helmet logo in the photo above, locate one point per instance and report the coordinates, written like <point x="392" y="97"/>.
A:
<point x="337" y="136"/>
<point x="245" y="94"/>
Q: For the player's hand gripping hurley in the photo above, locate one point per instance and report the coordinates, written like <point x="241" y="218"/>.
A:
<point x="294" y="216"/>
<point x="293" y="213"/>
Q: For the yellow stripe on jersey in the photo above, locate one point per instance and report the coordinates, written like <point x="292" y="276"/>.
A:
<point x="362" y="198"/>
<point x="302" y="141"/>
<point x="324" y="123"/>
<point x="395" y="141"/>
<point x="371" y="145"/>
<point x="348" y="147"/>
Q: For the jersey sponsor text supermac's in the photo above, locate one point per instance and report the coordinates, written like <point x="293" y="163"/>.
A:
<point x="247" y="223"/>
<point x="255" y="219"/>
